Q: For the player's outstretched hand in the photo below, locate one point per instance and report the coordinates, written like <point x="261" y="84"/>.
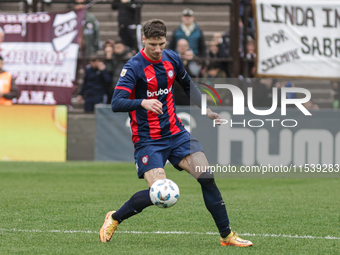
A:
<point x="213" y="116"/>
<point x="152" y="105"/>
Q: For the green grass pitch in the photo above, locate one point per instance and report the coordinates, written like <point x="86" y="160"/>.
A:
<point x="58" y="208"/>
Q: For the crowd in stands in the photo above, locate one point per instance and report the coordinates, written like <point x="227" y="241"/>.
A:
<point x="100" y="65"/>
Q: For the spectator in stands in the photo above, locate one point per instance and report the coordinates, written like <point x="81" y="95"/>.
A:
<point x="219" y="52"/>
<point x="109" y="63"/>
<point x="8" y="88"/>
<point x="121" y="55"/>
<point x="225" y="39"/>
<point x="212" y="73"/>
<point x="129" y="19"/>
<point x="182" y="48"/>
<point x="213" y="49"/>
<point x="90" y="41"/>
<point x="94" y="88"/>
<point x="191" y="64"/>
<point x="108" y="53"/>
<point x="246" y="8"/>
<point x="190" y="31"/>
<point x="262" y="94"/>
<point x="247" y="68"/>
<point x="336" y="96"/>
<point x="108" y="42"/>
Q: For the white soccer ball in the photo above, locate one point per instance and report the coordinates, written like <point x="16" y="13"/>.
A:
<point x="164" y="193"/>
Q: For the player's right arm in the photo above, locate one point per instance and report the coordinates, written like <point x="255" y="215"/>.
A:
<point x="124" y="100"/>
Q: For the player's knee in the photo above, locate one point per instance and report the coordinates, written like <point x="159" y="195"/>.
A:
<point x="198" y="159"/>
<point x="198" y="156"/>
<point x="153" y="175"/>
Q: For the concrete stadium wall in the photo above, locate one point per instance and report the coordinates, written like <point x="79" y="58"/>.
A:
<point x="81" y="131"/>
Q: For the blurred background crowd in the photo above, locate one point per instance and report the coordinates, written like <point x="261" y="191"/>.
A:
<point x="203" y="35"/>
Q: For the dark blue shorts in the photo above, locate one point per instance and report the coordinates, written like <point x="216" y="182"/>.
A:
<point x="156" y="153"/>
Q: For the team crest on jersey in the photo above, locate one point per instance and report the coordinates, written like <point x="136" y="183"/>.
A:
<point x="145" y="160"/>
<point x="170" y="73"/>
<point x="123" y="72"/>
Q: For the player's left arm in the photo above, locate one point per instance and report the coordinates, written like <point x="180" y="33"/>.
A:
<point x="188" y="86"/>
<point x="191" y="90"/>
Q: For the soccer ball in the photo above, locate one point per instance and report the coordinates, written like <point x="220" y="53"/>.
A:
<point x="164" y="193"/>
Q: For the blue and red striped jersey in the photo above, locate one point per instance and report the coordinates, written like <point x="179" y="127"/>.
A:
<point x="142" y="78"/>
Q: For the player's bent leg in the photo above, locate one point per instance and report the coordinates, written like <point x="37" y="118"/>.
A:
<point x="197" y="165"/>
<point x="153" y="175"/>
<point x="140" y="200"/>
<point x="135" y="205"/>
<point x="211" y="194"/>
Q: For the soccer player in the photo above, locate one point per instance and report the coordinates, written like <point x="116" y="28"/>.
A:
<point x="144" y="89"/>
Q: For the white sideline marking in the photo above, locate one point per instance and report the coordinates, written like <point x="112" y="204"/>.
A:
<point x="166" y="233"/>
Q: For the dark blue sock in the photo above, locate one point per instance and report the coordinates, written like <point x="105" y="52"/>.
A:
<point x="136" y="204"/>
<point x="214" y="202"/>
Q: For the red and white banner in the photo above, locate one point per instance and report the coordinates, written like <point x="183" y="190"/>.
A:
<point x="40" y="50"/>
<point x="298" y="38"/>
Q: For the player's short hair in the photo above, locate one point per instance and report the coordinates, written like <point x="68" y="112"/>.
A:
<point x="154" y="28"/>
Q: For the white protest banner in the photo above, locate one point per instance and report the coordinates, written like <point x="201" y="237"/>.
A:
<point x="298" y="38"/>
